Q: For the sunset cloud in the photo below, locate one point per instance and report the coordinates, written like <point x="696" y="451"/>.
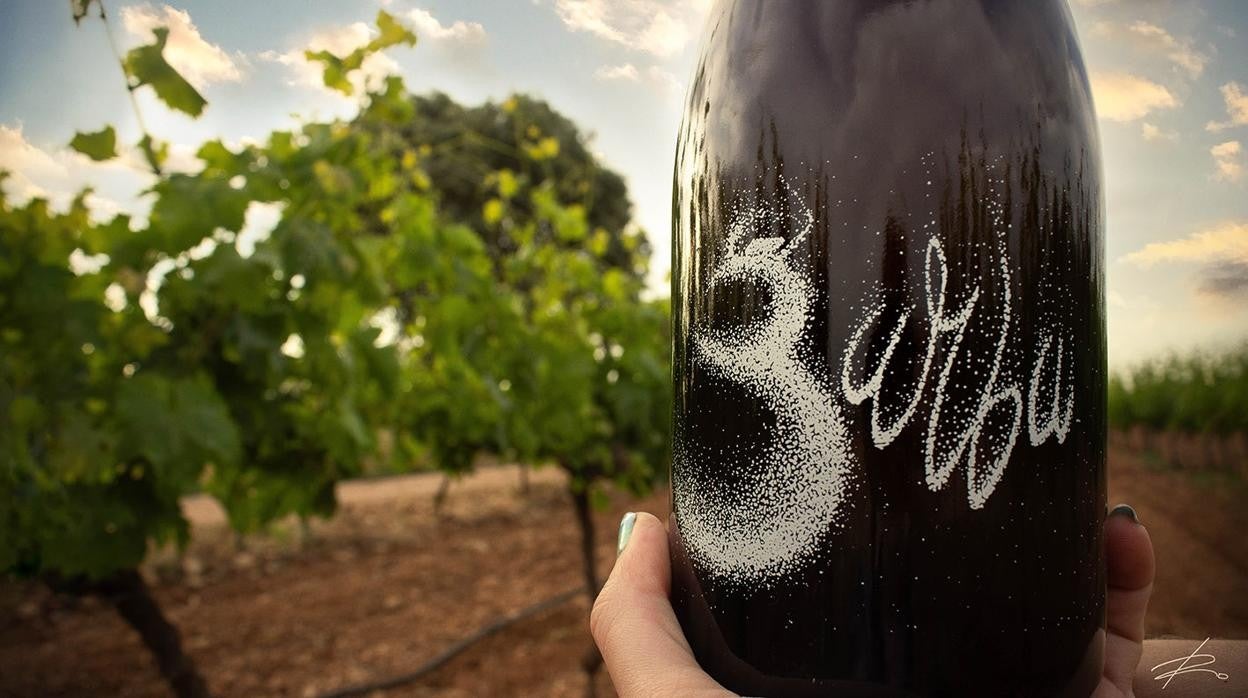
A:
<point x="1180" y="52"/>
<point x="665" y="80"/>
<point x="1153" y="133"/>
<point x="1226" y="242"/>
<point x="1236" y="107"/>
<point x="626" y="71"/>
<point x="1221" y="250"/>
<point x="657" y="28"/>
<point x="428" y="27"/>
<point x="1126" y="97"/>
<point x="1147" y="36"/>
<point x="1227" y="161"/>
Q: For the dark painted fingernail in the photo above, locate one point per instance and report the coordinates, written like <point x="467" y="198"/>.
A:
<point x="626" y="531"/>
<point x="1125" y="510"/>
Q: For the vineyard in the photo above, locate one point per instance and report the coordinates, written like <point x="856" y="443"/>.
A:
<point x="1185" y="412"/>
<point x="441" y="284"/>
<point x="242" y="459"/>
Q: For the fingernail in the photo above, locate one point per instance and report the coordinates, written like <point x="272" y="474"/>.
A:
<point x="1125" y="510"/>
<point x="626" y="531"/>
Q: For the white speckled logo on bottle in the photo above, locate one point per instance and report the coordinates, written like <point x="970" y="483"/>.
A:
<point x="784" y="504"/>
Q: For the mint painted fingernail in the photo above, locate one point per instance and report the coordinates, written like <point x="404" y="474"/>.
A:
<point x="626" y="531"/>
<point x="1125" y="510"/>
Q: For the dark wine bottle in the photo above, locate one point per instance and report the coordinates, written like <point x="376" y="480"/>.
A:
<point x="887" y="283"/>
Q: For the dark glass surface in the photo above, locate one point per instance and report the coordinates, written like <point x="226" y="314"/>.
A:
<point x="909" y="189"/>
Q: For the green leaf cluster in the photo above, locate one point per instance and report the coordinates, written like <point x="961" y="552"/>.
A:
<point x="262" y="364"/>
<point x="86" y="479"/>
<point x="479" y="158"/>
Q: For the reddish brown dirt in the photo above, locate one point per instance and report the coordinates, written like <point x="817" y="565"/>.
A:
<point x="387" y="584"/>
<point x="1199" y="526"/>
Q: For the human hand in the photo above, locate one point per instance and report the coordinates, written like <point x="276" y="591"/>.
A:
<point x="1129" y="559"/>
<point x="633" y="623"/>
<point x="647" y="655"/>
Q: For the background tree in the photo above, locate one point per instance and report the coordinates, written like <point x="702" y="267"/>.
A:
<point x="463" y="148"/>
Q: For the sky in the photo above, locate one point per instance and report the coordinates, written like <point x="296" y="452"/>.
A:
<point x="1170" y="80"/>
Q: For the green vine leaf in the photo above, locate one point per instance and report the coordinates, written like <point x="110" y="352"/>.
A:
<point x="146" y="65"/>
<point x="337" y="69"/>
<point x="97" y="145"/>
<point x="392" y="33"/>
<point x="334" y="75"/>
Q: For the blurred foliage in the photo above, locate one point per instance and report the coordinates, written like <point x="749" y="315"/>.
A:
<point x="146" y="65"/>
<point x="99" y="146"/>
<point x="337" y="71"/>
<point x="1198" y="393"/>
<point x="462" y="280"/>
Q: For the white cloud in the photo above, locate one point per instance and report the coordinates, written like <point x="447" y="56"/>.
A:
<point x="1153" y="133"/>
<point x="20" y="157"/>
<point x="1139" y="305"/>
<point x="1222" y="252"/>
<point x="1151" y="37"/>
<point x="1125" y="97"/>
<point x="654" y="75"/>
<point x="1236" y="107"/>
<point x="60" y="174"/>
<point x="626" y="71"/>
<point x="664" y="36"/>
<point x="657" y="28"/>
<point x="1180" y="52"/>
<point x="665" y="80"/>
<point x="200" y="62"/>
<point x="339" y="41"/>
<point x="428" y="27"/>
<point x="1226" y="242"/>
<point x="181" y="158"/>
<point x="1226" y="160"/>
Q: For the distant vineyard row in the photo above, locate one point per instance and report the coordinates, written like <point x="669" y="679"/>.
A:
<point x="1200" y="393"/>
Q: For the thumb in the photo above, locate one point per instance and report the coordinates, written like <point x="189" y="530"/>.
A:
<point x="634" y="626"/>
<point x="1130" y="564"/>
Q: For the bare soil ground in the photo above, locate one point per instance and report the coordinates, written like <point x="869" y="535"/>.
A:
<point x="388" y="584"/>
<point x="1199" y="526"/>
